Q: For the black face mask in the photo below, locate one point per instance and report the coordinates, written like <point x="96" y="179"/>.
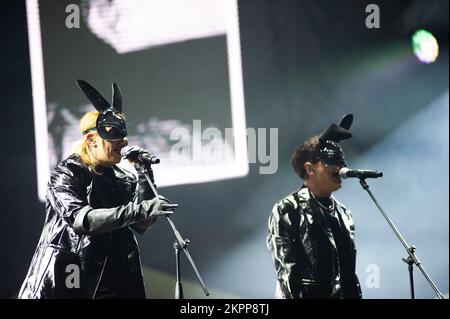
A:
<point x="328" y="150"/>
<point x="110" y="124"/>
<point x="330" y="153"/>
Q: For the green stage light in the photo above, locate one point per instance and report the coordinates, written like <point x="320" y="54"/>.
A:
<point x="425" y="46"/>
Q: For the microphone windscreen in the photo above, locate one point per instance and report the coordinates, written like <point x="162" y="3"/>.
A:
<point x="343" y="172"/>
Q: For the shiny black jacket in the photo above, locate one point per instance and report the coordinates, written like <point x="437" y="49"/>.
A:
<point x="67" y="248"/>
<point x="304" y="251"/>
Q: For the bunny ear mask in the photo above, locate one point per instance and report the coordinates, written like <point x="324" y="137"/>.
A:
<point x="110" y="124"/>
<point x="339" y="132"/>
<point x="329" y="151"/>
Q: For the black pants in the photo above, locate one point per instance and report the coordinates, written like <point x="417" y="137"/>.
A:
<point x="117" y="281"/>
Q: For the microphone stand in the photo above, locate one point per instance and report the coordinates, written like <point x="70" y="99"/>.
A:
<point x="179" y="243"/>
<point x="411" y="259"/>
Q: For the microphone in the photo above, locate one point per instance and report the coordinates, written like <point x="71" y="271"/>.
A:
<point x="345" y="172"/>
<point x="138" y="154"/>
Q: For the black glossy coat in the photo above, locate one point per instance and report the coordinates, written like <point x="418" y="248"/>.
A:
<point x="304" y="251"/>
<point x="72" y="191"/>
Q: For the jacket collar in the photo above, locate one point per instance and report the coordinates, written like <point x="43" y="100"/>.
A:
<point x="315" y="214"/>
<point x="306" y="201"/>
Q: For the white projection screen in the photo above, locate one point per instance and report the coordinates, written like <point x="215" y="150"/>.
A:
<point x="178" y="64"/>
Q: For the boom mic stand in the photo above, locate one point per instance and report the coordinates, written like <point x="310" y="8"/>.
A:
<point x="179" y="244"/>
<point x="411" y="259"/>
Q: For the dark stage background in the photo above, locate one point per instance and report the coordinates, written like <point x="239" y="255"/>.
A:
<point x="305" y="64"/>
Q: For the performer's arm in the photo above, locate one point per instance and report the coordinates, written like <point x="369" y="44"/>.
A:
<point x="67" y="193"/>
<point x="284" y="242"/>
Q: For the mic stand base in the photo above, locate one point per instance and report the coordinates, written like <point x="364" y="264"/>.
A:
<point x="410" y="263"/>
<point x="178" y="285"/>
<point x="180" y="243"/>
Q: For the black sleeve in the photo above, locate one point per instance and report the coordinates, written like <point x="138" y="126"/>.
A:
<point x="285" y="245"/>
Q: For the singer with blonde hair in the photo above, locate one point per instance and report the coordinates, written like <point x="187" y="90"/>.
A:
<point x="87" y="248"/>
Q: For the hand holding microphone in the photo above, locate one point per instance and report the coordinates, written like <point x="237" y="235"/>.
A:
<point x="140" y="157"/>
<point x="137" y="154"/>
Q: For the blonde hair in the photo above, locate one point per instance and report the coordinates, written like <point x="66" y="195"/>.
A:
<point x="83" y="148"/>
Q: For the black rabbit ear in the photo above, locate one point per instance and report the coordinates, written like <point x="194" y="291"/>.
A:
<point x="97" y="100"/>
<point x="347" y="121"/>
<point x="335" y="133"/>
<point x="116" y="98"/>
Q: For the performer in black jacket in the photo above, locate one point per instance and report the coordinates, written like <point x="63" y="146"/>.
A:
<point x="310" y="233"/>
<point x="87" y="248"/>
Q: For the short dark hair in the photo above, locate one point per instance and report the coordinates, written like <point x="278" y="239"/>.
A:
<point x="303" y="153"/>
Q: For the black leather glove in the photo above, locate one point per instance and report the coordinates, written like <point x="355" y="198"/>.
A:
<point x="90" y="221"/>
<point x="166" y="204"/>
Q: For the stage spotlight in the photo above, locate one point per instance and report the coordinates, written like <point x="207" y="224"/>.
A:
<point x="425" y="46"/>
